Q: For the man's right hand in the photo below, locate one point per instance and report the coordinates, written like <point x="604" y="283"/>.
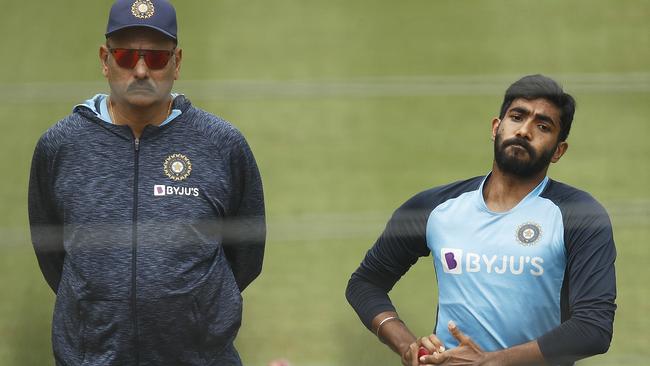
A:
<point x="433" y="346"/>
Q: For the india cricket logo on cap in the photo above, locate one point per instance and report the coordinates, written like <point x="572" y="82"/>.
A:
<point x="177" y="167"/>
<point x="529" y="233"/>
<point x="142" y="9"/>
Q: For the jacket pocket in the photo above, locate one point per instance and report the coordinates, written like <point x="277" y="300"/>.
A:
<point x="169" y="331"/>
<point x="194" y="328"/>
<point x="220" y="306"/>
<point x="67" y="327"/>
<point x="107" y="333"/>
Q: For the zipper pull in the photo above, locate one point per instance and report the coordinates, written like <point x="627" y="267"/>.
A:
<point x="137" y="144"/>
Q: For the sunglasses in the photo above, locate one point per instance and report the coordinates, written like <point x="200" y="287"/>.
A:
<point x="128" y="57"/>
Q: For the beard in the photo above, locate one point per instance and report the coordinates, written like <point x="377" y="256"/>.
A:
<point x="518" y="165"/>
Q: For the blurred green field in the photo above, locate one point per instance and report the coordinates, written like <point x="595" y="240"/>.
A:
<point x="350" y="107"/>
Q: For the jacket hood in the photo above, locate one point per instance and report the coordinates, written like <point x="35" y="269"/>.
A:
<point x="92" y="107"/>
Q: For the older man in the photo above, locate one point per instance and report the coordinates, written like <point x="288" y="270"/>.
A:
<point x="147" y="213"/>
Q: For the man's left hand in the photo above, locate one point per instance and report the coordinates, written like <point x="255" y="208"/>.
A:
<point x="467" y="353"/>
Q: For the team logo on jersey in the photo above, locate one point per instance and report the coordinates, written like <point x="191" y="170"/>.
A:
<point x="177" y="167"/>
<point x="458" y="262"/>
<point x="529" y="233"/>
<point x="451" y="260"/>
<point x="161" y="190"/>
<point x="142" y="9"/>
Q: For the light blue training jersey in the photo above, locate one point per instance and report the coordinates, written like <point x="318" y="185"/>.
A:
<point x="496" y="270"/>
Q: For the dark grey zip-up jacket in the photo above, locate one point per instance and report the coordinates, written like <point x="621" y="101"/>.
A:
<point x="148" y="265"/>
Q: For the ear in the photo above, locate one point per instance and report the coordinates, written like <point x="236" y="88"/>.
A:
<point x="178" y="56"/>
<point x="103" y="58"/>
<point x="495" y="127"/>
<point x="561" y="148"/>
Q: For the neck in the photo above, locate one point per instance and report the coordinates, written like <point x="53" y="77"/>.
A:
<point x="503" y="191"/>
<point x="138" y="117"/>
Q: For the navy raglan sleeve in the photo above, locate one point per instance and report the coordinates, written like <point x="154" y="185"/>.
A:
<point x="401" y="244"/>
<point x="589" y="283"/>
<point x="44" y="221"/>
<point x="245" y="237"/>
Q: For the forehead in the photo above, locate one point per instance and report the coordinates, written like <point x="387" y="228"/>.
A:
<point x="140" y="37"/>
<point x="537" y="106"/>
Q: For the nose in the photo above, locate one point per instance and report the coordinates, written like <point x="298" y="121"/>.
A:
<point x="141" y="71"/>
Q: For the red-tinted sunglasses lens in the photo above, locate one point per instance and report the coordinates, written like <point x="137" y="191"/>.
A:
<point x="156" y="59"/>
<point x="125" y="58"/>
<point x="128" y="58"/>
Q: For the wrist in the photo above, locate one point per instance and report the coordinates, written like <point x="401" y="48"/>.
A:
<point x="405" y="353"/>
<point x="403" y="349"/>
<point x="523" y="354"/>
<point x="493" y="359"/>
<point x="384" y="321"/>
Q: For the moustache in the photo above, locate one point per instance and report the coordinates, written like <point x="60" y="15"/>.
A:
<point x="518" y="141"/>
<point x="140" y="85"/>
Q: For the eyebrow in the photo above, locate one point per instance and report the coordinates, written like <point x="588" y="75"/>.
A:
<point x="539" y="116"/>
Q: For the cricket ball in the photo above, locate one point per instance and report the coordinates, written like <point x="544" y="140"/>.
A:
<point x="422" y="352"/>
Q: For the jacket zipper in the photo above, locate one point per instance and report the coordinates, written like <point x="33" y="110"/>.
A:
<point x="134" y="250"/>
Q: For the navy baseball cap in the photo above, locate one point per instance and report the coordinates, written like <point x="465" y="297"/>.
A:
<point x="156" y="14"/>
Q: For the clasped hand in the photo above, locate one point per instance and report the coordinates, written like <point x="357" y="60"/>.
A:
<point x="467" y="353"/>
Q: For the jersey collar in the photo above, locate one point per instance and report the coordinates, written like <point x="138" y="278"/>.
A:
<point x="530" y="196"/>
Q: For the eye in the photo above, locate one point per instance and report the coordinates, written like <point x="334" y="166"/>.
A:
<point x="543" y="127"/>
<point x="516" y="117"/>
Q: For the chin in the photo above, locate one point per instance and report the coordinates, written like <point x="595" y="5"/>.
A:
<point x="521" y="159"/>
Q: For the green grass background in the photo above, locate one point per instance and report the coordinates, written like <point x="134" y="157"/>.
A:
<point x="335" y="164"/>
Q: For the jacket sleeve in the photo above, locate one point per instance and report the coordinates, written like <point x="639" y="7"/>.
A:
<point x="589" y="285"/>
<point x="44" y="221"/>
<point x="245" y="230"/>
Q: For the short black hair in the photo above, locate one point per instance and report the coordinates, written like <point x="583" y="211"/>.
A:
<point x="539" y="86"/>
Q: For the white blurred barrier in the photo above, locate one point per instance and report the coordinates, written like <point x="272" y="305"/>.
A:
<point x="384" y="86"/>
<point x="314" y="227"/>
